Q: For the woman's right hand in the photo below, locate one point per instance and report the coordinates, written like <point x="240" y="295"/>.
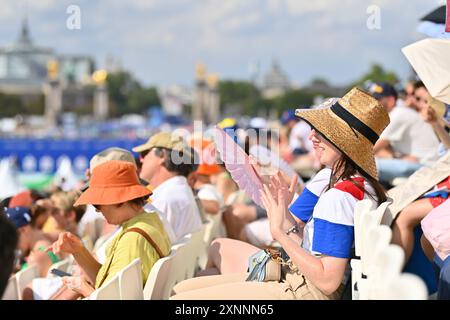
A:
<point x="67" y="243"/>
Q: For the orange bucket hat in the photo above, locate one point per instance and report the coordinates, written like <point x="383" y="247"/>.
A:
<point x="208" y="169"/>
<point x="207" y="152"/>
<point x="113" y="182"/>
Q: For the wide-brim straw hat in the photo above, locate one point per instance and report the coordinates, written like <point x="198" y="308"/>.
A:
<point x="352" y="124"/>
<point x="113" y="182"/>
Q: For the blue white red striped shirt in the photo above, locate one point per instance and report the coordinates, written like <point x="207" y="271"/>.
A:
<point x="328" y="215"/>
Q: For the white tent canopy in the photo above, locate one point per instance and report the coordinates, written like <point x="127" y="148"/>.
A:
<point x="10" y="185"/>
<point x="65" y="177"/>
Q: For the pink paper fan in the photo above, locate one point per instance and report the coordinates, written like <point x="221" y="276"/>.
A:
<point x="239" y="165"/>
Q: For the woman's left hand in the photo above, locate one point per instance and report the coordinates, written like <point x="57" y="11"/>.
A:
<point x="78" y="285"/>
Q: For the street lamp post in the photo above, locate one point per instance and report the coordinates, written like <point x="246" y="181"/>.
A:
<point x="53" y="94"/>
<point x="101" y="103"/>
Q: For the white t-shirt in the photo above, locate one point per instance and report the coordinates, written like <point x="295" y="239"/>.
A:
<point x="408" y="134"/>
<point x="176" y="203"/>
<point x="210" y="192"/>
<point x="299" y="136"/>
<point x="149" y="207"/>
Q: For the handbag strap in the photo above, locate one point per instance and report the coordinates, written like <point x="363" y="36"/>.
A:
<point x="142" y="233"/>
<point x="148" y="238"/>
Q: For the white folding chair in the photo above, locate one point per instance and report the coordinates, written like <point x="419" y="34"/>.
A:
<point x="366" y="217"/>
<point x="24" y="277"/>
<point x="362" y="207"/>
<point x="378" y="238"/>
<point x="166" y="273"/>
<point x="403" y="287"/>
<point x="355" y="265"/>
<point x="130" y="281"/>
<point x="196" y="247"/>
<point x="387" y="264"/>
<point x="11" y="292"/>
<point x="108" y="291"/>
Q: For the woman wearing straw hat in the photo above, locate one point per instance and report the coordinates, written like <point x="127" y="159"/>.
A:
<point x="115" y="191"/>
<point x="318" y="244"/>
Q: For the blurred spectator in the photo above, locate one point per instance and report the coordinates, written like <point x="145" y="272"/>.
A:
<point x="64" y="216"/>
<point x="39" y="215"/>
<point x="32" y="241"/>
<point x="8" y="242"/>
<point x="23" y="199"/>
<point x="407" y="143"/>
<point x="409" y="218"/>
<point x="200" y="180"/>
<point x="166" y="162"/>
<point x="428" y="109"/>
<point x="302" y="159"/>
<point x="409" y="99"/>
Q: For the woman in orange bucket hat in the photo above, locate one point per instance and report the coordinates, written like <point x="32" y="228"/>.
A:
<point x="116" y="192"/>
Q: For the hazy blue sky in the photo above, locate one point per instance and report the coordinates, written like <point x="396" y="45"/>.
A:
<point x="161" y="40"/>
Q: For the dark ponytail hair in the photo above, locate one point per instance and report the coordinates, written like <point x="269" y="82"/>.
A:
<point x="347" y="169"/>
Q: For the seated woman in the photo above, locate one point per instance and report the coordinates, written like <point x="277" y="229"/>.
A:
<point x="116" y="192"/>
<point x="344" y="130"/>
<point x="231" y="256"/>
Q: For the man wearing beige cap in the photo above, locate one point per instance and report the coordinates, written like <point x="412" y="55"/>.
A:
<point x="166" y="162"/>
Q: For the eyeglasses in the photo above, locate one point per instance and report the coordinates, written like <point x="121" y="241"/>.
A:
<point x="143" y="154"/>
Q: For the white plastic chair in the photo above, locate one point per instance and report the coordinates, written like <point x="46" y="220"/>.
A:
<point x="210" y="233"/>
<point x="377" y="238"/>
<point x="11" y="292"/>
<point x="130" y="281"/>
<point x="166" y="273"/>
<point x="361" y="209"/>
<point x="387" y="265"/>
<point x="24" y="277"/>
<point x="355" y="265"/>
<point x="403" y="287"/>
<point x="196" y="247"/>
<point x="108" y="291"/>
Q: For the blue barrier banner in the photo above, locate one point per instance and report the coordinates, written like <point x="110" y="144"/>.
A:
<point x="45" y="155"/>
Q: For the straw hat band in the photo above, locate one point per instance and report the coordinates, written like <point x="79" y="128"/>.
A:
<point x="354" y="122"/>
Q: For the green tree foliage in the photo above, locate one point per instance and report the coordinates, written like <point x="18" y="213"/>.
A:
<point x="294" y="99"/>
<point x="127" y="95"/>
<point x="376" y="74"/>
<point x="10" y="105"/>
<point x="249" y="100"/>
<point x="239" y="93"/>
